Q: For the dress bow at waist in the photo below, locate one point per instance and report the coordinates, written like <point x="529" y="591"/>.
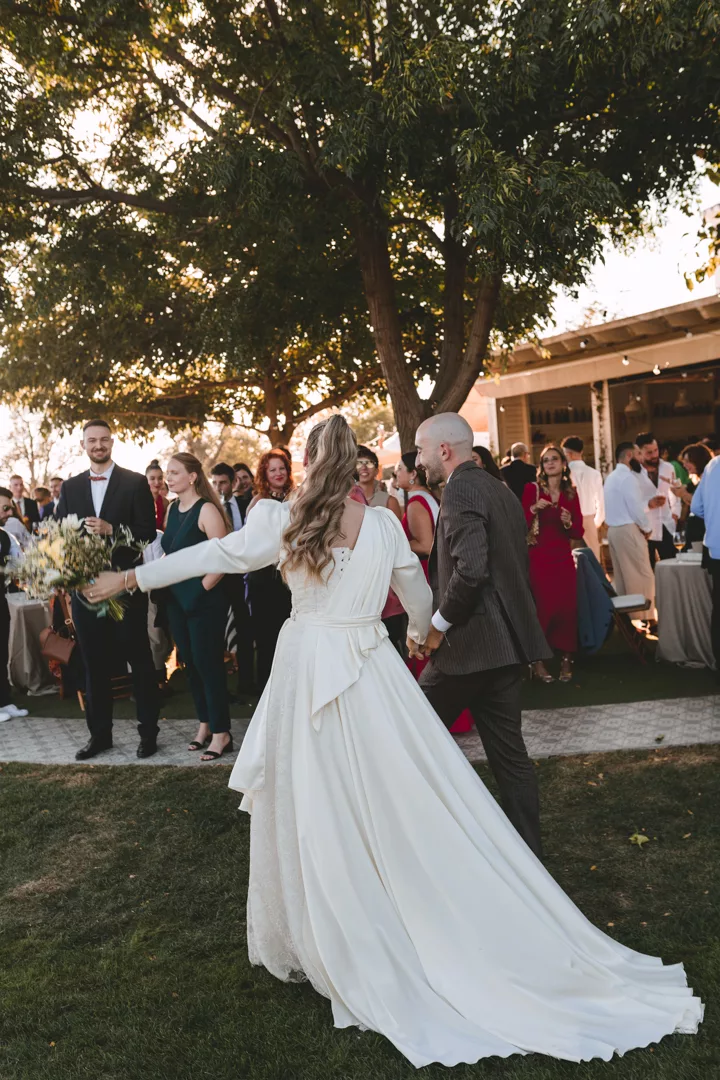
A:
<point x="339" y="623"/>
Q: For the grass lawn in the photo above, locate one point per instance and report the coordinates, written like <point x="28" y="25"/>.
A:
<point x="122" y="923"/>
<point x="614" y="675"/>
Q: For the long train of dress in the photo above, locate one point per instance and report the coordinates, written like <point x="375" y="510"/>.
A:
<point x="382" y="869"/>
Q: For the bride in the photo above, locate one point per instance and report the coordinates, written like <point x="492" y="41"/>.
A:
<point x="381" y="868"/>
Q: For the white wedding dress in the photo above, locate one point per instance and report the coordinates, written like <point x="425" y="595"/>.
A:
<point x="381" y="868"/>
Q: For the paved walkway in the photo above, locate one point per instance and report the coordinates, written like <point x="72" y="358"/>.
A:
<point x="548" y="732"/>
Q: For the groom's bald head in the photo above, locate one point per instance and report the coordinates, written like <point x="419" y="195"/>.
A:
<point x="443" y="442"/>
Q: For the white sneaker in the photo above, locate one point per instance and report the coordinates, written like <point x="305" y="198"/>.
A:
<point x="4" y="716"/>
<point x="12" y="712"/>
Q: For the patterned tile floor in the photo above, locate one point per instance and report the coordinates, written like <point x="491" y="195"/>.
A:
<point x="548" y="732"/>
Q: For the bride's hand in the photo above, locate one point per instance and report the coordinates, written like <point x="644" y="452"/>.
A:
<point x="414" y="648"/>
<point x="105" y="585"/>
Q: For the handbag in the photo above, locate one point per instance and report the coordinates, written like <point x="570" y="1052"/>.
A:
<point x="55" y="646"/>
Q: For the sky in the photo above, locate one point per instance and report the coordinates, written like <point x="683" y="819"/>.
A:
<point x="626" y="283"/>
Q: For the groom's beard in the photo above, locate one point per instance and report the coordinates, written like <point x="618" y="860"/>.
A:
<point x="635" y="465"/>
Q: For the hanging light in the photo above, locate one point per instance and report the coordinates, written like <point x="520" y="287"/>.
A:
<point x="656" y="370"/>
<point x="681" y="403"/>
<point x="626" y="361"/>
<point x="634" y="405"/>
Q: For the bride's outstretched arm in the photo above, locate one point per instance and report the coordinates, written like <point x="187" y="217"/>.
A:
<point x="253" y="547"/>
<point x="409" y="582"/>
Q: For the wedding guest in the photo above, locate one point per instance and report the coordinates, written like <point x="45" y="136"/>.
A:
<point x="695" y="458"/>
<point x="667" y="453"/>
<point x="27" y="508"/>
<point x="706" y="504"/>
<point x="483" y="458"/>
<point x="712" y="444"/>
<point x="17" y="528"/>
<point x="222" y="478"/>
<point x="107" y="496"/>
<point x="45" y="505"/>
<point x="156" y="481"/>
<point x="656" y="479"/>
<point x="55" y="489"/>
<point x="8" y="514"/>
<point x="8" y="711"/>
<point x="375" y="492"/>
<point x="588" y="483"/>
<point x="628" y="522"/>
<point x="554" y="518"/>
<point x="270" y="600"/>
<point x="244" y="480"/>
<point x="198" y="609"/>
<point x="421" y="506"/>
<point x="520" y="471"/>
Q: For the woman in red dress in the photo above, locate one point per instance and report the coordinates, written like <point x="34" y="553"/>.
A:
<point x="552" y="509"/>
<point x="156" y="480"/>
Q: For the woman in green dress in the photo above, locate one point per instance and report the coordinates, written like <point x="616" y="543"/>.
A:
<point x="198" y="609"/>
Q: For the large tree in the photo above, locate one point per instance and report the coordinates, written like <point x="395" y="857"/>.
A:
<point x="472" y="156"/>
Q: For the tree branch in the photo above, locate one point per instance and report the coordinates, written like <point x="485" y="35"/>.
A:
<point x="69" y="197"/>
<point x="175" y="97"/>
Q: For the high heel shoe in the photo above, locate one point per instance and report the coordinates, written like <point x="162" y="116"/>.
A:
<point x="543" y="677"/>
<point x="566" y="671"/>
<point x="213" y="755"/>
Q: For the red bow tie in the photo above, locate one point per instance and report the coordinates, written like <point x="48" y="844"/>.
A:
<point x="94" y="478"/>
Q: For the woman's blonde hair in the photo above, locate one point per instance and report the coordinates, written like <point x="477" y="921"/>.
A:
<point x="202" y="485"/>
<point x="317" y="510"/>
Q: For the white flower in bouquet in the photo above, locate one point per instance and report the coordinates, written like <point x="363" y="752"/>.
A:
<point x="62" y="556"/>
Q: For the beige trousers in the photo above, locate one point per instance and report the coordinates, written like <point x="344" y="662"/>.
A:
<point x="590" y="536"/>
<point x="632" y="572"/>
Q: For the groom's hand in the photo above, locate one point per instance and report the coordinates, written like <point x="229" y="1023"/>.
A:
<point x="432" y="642"/>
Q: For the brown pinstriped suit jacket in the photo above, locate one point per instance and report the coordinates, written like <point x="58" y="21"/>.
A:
<point x="479" y="577"/>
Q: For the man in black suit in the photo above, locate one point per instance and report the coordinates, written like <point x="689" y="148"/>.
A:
<point x="27" y="508"/>
<point x="485" y="627"/>
<point x="107" y="496"/>
<point x="222" y="478"/>
<point x="519" y="472"/>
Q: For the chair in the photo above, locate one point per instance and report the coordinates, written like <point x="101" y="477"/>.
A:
<point x="623" y="607"/>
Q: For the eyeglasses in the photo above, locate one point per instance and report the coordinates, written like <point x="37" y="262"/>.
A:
<point x="365" y="464"/>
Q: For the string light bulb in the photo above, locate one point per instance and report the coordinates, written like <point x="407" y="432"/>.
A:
<point x="626" y="360"/>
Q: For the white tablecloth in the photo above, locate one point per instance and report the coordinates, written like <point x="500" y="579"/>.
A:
<point x="28" y="667"/>
<point x="683" y="593"/>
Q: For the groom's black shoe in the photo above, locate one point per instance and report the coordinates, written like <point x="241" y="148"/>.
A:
<point x="147" y="748"/>
<point x="95" y="746"/>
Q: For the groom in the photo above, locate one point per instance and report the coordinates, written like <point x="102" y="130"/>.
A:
<point x="485" y="626"/>
<point x="107" y="496"/>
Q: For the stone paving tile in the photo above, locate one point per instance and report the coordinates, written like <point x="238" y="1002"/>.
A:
<point x="548" y="732"/>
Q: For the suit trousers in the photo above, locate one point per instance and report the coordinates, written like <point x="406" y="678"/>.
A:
<point x="632" y="573"/>
<point x="106" y="646"/>
<point x="493" y="698"/>
<point x="244" y="641"/>
<point x="662" y="549"/>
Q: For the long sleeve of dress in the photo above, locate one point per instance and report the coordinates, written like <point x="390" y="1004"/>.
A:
<point x="409" y="582"/>
<point x="529" y="498"/>
<point x="257" y="545"/>
<point x="577" y="529"/>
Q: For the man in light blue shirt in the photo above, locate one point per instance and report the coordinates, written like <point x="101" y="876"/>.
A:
<point x="706" y="504"/>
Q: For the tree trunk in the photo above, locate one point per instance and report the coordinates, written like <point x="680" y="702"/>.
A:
<point x="455" y="258"/>
<point x="374" y="256"/>
<point x="460" y="382"/>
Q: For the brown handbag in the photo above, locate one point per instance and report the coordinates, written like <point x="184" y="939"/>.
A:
<point x="53" y="645"/>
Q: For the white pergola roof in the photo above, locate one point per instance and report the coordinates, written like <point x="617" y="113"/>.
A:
<point x="670" y="337"/>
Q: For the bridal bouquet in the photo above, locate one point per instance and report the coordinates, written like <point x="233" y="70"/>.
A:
<point x="62" y="556"/>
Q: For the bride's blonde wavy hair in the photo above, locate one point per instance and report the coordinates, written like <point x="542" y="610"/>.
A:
<point x="317" y="509"/>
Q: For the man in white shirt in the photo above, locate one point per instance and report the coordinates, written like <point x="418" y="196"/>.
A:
<point x="626" y="514"/>
<point x="589" y="486"/>
<point x="656" y="479"/>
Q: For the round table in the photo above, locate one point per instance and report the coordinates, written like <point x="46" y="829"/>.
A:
<point x="28" y="668"/>
<point x="683" y="594"/>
